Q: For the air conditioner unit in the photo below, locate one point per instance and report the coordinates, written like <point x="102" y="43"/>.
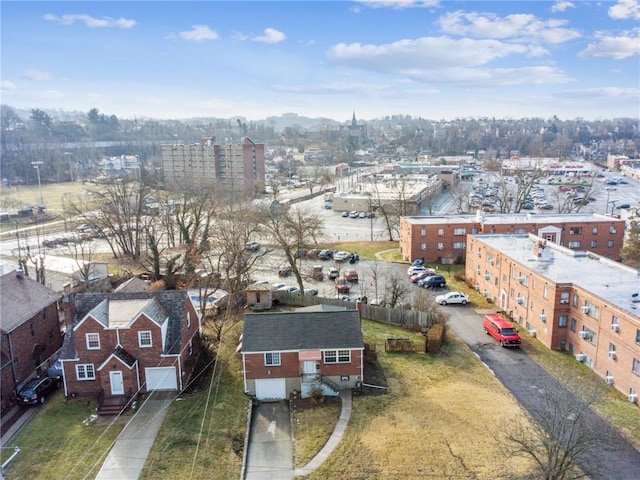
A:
<point x="633" y="397"/>
<point x="487" y="276"/>
<point x="491" y="262"/>
<point x="580" y="357"/>
<point x="532" y="332"/>
<point x="522" y="279"/>
<point x="521" y="300"/>
<point x="478" y="271"/>
<point x="612" y="354"/>
<point x="583" y="334"/>
<point x="486" y="293"/>
<point x="564" y="302"/>
<point x="609" y="379"/>
<point x="585" y="309"/>
<point x="615" y="327"/>
<point x="543" y="317"/>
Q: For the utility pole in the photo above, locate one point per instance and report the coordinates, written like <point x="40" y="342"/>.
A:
<point x="36" y="165"/>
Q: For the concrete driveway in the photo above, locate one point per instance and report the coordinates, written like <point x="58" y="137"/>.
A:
<point x="129" y="453"/>
<point x="270" y="449"/>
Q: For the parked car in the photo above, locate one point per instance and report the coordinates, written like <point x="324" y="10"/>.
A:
<point x="252" y="246"/>
<point x="624" y="205"/>
<point x="351" y="275"/>
<point x="501" y="330"/>
<point x="371" y="215"/>
<point x="37" y="390"/>
<point x="417" y="262"/>
<point x="313" y="253"/>
<point x="311" y="291"/>
<point x="289" y="289"/>
<point x="423" y="274"/>
<point x="362" y="215"/>
<point x="342" y="285"/>
<point x="325" y="255"/>
<point x="55" y="370"/>
<point x="453" y="297"/>
<point x="354" y="257"/>
<point x="276" y="286"/>
<point x="333" y="273"/>
<point x="413" y="269"/>
<point x="353" y="214"/>
<point x="345" y="214"/>
<point x="433" y="281"/>
<point x="341" y="256"/>
<point x="378" y="302"/>
<point x="284" y="270"/>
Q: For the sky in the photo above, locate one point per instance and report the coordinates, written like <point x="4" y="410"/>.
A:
<point x="434" y="59"/>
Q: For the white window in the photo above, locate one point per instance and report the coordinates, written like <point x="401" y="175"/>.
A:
<point x="612" y="229"/>
<point x="423" y="246"/>
<point x="562" y="321"/>
<point x="575" y="244"/>
<point x="423" y="232"/>
<point x="337" y="356"/>
<point x="85" y="372"/>
<point x="189" y="319"/>
<point x="93" y="341"/>
<point x="545" y="292"/>
<point x="594" y="244"/>
<point x="459" y="245"/>
<point x="520" y="231"/>
<point x="441" y="246"/>
<point x="441" y="232"/>
<point x="636" y="366"/>
<point x="144" y="339"/>
<point x="272" y="359"/>
<point x="610" y="244"/>
<point x="594" y="229"/>
<point x="459" y="231"/>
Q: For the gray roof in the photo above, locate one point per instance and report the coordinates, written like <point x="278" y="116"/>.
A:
<point x="21" y="299"/>
<point x="172" y="303"/>
<point x="134" y="284"/>
<point x="510" y="218"/>
<point x="265" y="332"/>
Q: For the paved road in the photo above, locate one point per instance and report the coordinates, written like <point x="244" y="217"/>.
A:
<point x="527" y="381"/>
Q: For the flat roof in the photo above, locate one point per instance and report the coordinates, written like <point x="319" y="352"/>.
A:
<point x="612" y="281"/>
<point x="508" y="218"/>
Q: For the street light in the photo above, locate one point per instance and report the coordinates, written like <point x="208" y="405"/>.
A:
<point x="36" y="165"/>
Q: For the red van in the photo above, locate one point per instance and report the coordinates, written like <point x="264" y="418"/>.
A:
<point x="501" y="330"/>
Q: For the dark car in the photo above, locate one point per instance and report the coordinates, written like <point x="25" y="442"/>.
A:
<point x="36" y="391"/>
<point x="325" y="255"/>
<point x="624" y="205"/>
<point x="342" y="285"/>
<point x="55" y="370"/>
<point x="433" y="281"/>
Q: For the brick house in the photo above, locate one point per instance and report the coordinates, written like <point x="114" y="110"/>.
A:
<point x="436" y="238"/>
<point x="120" y="344"/>
<point x="301" y="351"/>
<point x="568" y="300"/>
<point x="30" y="329"/>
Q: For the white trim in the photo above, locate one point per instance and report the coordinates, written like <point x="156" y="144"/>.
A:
<point x="84" y="365"/>
<point x="140" y="344"/>
<point x="86" y="337"/>
<point x="108" y="359"/>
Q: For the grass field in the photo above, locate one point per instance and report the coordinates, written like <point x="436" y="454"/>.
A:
<point x="30" y="194"/>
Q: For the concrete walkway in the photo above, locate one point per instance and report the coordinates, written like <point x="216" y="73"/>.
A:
<point x="129" y="453"/>
<point x="334" y="439"/>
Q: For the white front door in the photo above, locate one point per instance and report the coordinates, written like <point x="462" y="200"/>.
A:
<point x="117" y="383"/>
<point x="310" y="366"/>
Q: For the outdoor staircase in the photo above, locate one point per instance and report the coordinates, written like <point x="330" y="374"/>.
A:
<point x="330" y="383"/>
<point x="113" y="405"/>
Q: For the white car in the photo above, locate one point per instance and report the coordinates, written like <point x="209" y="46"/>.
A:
<point x="277" y="286"/>
<point x="289" y="289"/>
<point x="413" y="269"/>
<point x="453" y="297"/>
<point x="341" y="256"/>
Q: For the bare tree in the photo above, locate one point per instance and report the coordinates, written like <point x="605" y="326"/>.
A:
<point x="83" y="253"/>
<point x="396" y="288"/>
<point x="561" y="434"/>
<point x="460" y="193"/>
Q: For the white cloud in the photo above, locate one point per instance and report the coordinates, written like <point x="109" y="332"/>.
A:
<point x="90" y="21"/>
<point x="271" y="36"/>
<point x="331" y="88"/>
<point x="517" y="26"/>
<point x="620" y="47"/>
<point x="398" y="4"/>
<point x="199" y="33"/>
<point x="36" y="75"/>
<point x="7" y="85"/>
<point x="603" y="92"/>
<point x="625" y="9"/>
<point x="561" y="6"/>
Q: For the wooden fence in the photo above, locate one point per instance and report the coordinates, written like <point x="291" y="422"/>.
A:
<point x="411" y="319"/>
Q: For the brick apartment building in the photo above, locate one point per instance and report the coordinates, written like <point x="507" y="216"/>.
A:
<point x="569" y="300"/>
<point x="236" y="166"/>
<point x="435" y="238"/>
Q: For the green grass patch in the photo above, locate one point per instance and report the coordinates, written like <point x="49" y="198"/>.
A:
<point x="366" y="250"/>
<point x="312" y="427"/>
<point x="55" y="444"/>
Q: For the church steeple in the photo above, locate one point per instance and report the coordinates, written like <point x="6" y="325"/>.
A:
<point x="353" y="120"/>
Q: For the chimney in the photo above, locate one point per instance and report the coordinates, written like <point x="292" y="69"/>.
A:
<point x="538" y="248"/>
<point x="69" y="308"/>
<point x="479" y="215"/>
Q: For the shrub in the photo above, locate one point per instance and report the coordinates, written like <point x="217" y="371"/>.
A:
<point x="435" y="338"/>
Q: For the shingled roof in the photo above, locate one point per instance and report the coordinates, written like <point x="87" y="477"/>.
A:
<point x="264" y="332"/>
<point x="173" y="302"/>
<point x="21" y="298"/>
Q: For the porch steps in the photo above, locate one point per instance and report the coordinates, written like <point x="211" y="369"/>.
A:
<point x="330" y="383"/>
<point x="113" y="405"/>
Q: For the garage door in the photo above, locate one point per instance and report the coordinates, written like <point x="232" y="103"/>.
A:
<point x="161" y="378"/>
<point x="271" y="389"/>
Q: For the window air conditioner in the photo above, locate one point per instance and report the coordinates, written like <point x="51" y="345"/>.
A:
<point x="486" y="293"/>
<point x="583" y="334"/>
<point x="612" y="354"/>
<point x="580" y="357"/>
<point x="532" y="332"/>
<point x="585" y="309"/>
<point x="633" y="397"/>
<point x="521" y="300"/>
<point x="522" y="279"/>
<point x="543" y="317"/>
<point x="615" y="327"/>
<point x="478" y="271"/>
<point x="487" y="276"/>
<point x="564" y="302"/>
<point x="491" y="262"/>
<point x="609" y="379"/>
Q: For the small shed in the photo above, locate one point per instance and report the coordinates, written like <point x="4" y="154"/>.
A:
<point x="259" y="296"/>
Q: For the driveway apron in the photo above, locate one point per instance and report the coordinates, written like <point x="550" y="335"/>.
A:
<point x="270" y="449"/>
<point x="129" y="453"/>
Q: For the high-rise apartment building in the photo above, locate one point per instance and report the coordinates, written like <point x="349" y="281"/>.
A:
<point x="235" y="166"/>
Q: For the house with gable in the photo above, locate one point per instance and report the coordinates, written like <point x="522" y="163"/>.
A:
<point x="119" y="344"/>
<point x="301" y="351"/>
<point x="29" y="328"/>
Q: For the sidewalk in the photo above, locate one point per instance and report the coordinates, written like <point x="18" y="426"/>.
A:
<point x="16" y="418"/>
<point x="129" y="453"/>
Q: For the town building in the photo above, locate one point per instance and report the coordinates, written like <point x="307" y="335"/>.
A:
<point x="442" y="239"/>
<point x="320" y="350"/>
<point x="30" y="330"/>
<point x="569" y="300"/>
<point x="235" y="166"/>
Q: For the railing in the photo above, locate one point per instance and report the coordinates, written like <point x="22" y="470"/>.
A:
<point x="330" y="383"/>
